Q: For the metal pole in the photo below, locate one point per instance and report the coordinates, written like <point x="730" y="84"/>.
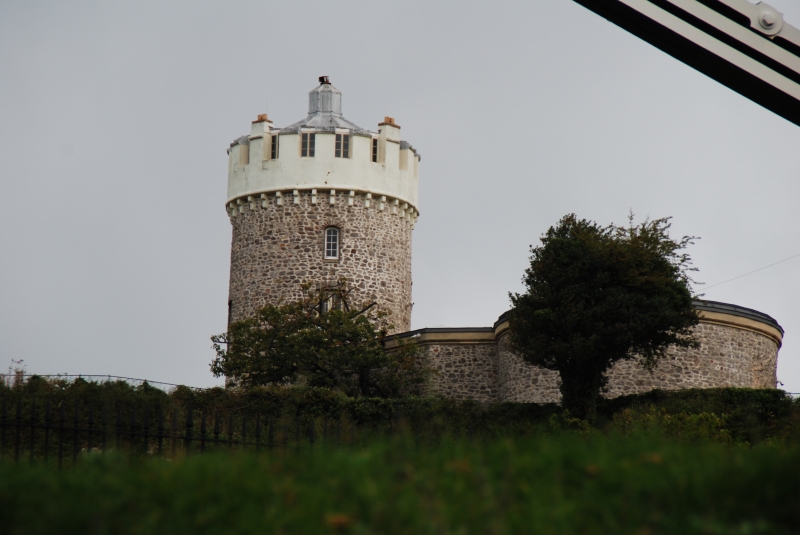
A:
<point x="258" y="432"/>
<point x="189" y="425"/>
<point x="132" y="429"/>
<point x="216" y="429"/>
<point x="244" y="430"/>
<point x="91" y="426"/>
<point x="75" y="435"/>
<point x="118" y="426"/>
<point x="174" y="437"/>
<point x="146" y="430"/>
<point x="160" y="428"/>
<point x="19" y="426"/>
<point x="3" y="425"/>
<point x="230" y="429"/>
<point x="33" y="428"/>
<point x="48" y="421"/>
<point x="203" y="430"/>
<point x="60" y="433"/>
<point x="104" y="425"/>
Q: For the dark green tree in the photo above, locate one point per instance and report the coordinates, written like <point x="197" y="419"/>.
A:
<point x="597" y="295"/>
<point x="319" y="341"/>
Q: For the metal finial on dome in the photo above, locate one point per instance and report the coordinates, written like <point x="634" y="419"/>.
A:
<point x="324" y="110"/>
<point x="325" y="98"/>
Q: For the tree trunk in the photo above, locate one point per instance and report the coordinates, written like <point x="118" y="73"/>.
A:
<point x="363" y="383"/>
<point x="580" y="391"/>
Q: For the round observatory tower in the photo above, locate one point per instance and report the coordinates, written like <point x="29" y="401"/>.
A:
<point x="319" y="200"/>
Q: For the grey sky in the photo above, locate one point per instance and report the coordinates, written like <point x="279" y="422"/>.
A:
<point x="114" y="241"/>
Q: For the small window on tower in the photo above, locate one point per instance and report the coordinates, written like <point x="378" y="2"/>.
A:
<point x="342" y="146"/>
<point x="274" y="148"/>
<point x="307" y="147"/>
<point x="331" y="243"/>
<point x="375" y="150"/>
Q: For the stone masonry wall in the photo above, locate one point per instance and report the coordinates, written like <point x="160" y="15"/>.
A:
<point x="463" y="371"/>
<point x="276" y="249"/>
<point x="728" y="356"/>
<point x="521" y="382"/>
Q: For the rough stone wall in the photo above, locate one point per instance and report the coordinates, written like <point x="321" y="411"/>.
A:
<point x="276" y="249"/>
<point x="521" y="382"/>
<point x="727" y="356"/>
<point x="463" y="371"/>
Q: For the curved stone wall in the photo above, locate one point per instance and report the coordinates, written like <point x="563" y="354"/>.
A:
<point x="738" y="347"/>
<point x="278" y="247"/>
<point x="521" y="382"/>
<point x="727" y="356"/>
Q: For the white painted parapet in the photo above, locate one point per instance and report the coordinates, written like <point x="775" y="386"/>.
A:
<point x="379" y="166"/>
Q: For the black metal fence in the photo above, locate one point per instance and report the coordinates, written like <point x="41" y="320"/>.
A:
<point x="58" y="433"/>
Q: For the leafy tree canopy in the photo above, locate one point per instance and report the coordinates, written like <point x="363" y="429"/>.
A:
<point x="319" y="341"/>
<point x="600" y="294"/>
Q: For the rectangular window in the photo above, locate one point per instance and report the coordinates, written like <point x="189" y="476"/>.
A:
<point x="307" y="147"/>
<point x="375" y="150"/>
<point x="332" y="243"/>
<point x="274" y="149"/>
<point x="342" y="146"/>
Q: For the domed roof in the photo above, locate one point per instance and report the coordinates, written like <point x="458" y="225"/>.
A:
<point x="324" y="110"/>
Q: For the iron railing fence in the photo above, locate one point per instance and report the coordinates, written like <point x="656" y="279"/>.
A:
<point x="11" y="379"/>
<point x="59" y="432"/>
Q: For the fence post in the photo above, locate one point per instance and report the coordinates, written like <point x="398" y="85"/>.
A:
<point x="132" y="428"/>
<point x="19" y="426"/>
<point x="203" y="430"/>
<point x="160" y="428"/>
<point x="258" y="432"/>
<point x="146" y="429"/>
<point x="189" y="425"/>
<point x="33" y="427"/>
<point x="118" y="426"/>
<point x="216" y="429"/>
<point x="48" y="422"/>
<point x="230" y="429"/>
<point x="60" y="433"/>
<point x="3" y="425"/>
<point x="104" y="428"/>
<point x="75" y="435"/>
<point x="173" y="442"/>
<point x="91" y="427"/>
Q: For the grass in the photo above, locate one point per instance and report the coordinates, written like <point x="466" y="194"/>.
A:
<point x="551" y="483"/>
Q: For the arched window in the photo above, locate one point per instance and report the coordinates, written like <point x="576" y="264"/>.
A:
<point x="331" y="243"/>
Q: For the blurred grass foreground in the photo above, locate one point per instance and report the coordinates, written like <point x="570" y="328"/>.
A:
<point x="557" y="481"/>
<point x="717" y="461"/>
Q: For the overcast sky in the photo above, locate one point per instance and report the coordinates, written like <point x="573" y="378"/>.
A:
<point x="115" y="117"/>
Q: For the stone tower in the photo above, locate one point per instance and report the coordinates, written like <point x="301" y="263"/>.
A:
<point x="319" y="200"/>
